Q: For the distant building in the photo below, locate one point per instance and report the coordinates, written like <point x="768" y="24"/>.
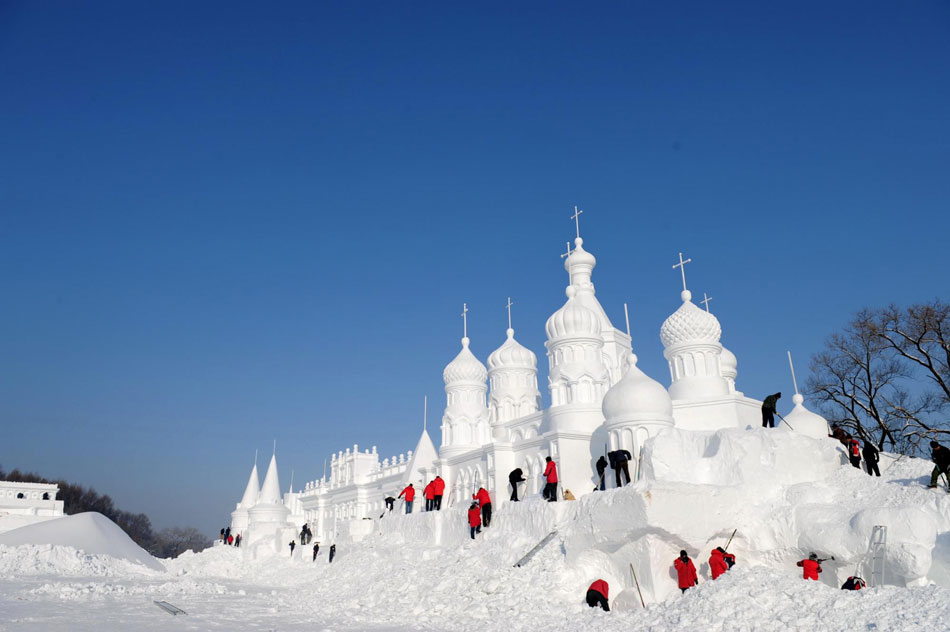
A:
<point x="22" y="504"/>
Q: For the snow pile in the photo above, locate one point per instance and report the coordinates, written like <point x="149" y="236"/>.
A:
<point x="90" y="532"/>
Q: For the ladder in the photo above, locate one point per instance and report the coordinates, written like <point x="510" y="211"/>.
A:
<point x="875" y="559"/>
<point x="170" y="609"/>
<point x="537" y="547"/>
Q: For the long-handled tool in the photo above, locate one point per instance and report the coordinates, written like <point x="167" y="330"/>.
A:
<point x="785" y="421"/>
<point x="637" y="583"/>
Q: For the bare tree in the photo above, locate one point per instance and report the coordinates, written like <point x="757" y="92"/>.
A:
<point x="868" y="378"/>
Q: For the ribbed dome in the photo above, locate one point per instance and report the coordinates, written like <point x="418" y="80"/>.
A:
<point x="637" y="396"/>
<point x="512" y="355"/>
<point x="803" y="421"/>
<point x="464" y="368"/>
<point x="579" y="256"/>
<point x="689" y="324"/>
<point x="572" y="320"/>
<point x="730" y="364"/>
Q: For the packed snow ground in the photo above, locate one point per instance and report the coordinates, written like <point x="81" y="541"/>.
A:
<point x="422" y="572"/>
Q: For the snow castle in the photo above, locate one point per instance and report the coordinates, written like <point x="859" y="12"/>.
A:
<point x="493" y="421"/>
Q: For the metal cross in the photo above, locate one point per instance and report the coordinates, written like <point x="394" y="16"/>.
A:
<point x="682" y="266"/>
<point x="509" y="311"/>
<point x="568" y="253"/>
<point x="705" y="301"/>
<point x="577" y="221"/>
<point x="465" y="320"/>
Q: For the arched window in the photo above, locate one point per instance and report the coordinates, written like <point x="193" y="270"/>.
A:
<point x="20" y="495"/>
<point x="45" y="495"/>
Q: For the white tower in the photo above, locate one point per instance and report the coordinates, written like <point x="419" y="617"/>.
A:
<point x="268" y="518"/>
<point x="577" y="373"/>
<point x="239" y="517"/>
<point x="465" y="422"/>
<point x="690" y="339"/>
<point x="513" y="375"/>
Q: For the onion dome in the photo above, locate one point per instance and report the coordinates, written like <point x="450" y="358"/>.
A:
<point x="580" y="257"/>
<point x="512" y="355"/>
<point x="689" y="324"/>
<point x="573" y="320"/>
<point x="803" y="421"/>
<point x="465" y="367"/>
<point x="637" y="397"/>
<point x="730" y="364"/>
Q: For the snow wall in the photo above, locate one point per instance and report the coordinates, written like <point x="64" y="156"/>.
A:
<point x="787" y="494"/>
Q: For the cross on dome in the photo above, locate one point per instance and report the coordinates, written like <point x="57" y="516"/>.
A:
<point x="509" y="311"/>
<point x="705" y="301"/>
<point x="685" y="294"/>
<point x="568" y="253"/>
<point x="465" y="320"/>
<point x="577" y="221"/>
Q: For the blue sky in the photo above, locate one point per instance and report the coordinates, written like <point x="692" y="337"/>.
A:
<point x="227" y="223"/>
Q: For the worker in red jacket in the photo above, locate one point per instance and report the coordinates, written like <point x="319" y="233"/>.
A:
<point x="550" y="476"/>
<point x="484" y="501"/>
<point x="474" y="520"/>
<point x="854" y="453"/>
<point x="810" y="567"/>
<point x="685" y="572"/>
<point x="597" y="595"/>
<point x="429" y="494"/>
<point x="438" y="487"/>
<point x="717" y="565"/>
<point x="409" y="492"/>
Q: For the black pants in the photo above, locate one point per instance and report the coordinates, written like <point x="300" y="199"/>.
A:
<point x="602" y="474"/>
<point x="389" y="505"/>
<point x="856" y="461"/>
<point x="332" y="553"/>
<point x="594" y="598"/>
<point x="514" y="490"/>
<point x="622" y="467"/>
<point x="486" y="515"/>
<point x="429" y="503"/>
<point x="550" y="492"/>
<point x="475" y="530"/>
<point x="872" y="468"/>
<point x="437" y="502"/>
<point x="768" y="419"/>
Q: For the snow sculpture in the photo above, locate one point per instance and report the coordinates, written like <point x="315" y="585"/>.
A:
<point x="513" y="375"/>
<point x="730" y="368"/>
<point x="465" y="422"/>
<point x="239" y="517"/>
<point x="804" y="421"/>
<point x="575" y="353"/>
<point x="268" y="519"/>
<point x="635" y="409"/>
<point x="690" y="339"/>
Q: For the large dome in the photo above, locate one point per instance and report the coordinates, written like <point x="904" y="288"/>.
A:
<point x="573" y="320"/>
<point x="464" y="368"/>
<point x="689" y="324"/>
<point x="637" y="396"/>
<point x="512" y="355"/>
<point x="579" y="257"/>
<point x="730" y="364"/>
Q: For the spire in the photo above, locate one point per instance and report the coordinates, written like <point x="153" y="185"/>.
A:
<point x="685" y="294"/>
<point x="577" y="220"/>
<point x="253" y="489"/>
<point x="705" y="301"/>
<point x="464" y="323"/>
<point x="270" y="490"/>
<point x="425" y="411"/>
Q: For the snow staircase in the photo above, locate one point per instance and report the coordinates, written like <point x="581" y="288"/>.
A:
<point x="537" y="547"/>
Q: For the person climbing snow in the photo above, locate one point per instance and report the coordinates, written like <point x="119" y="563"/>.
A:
<point x="438" y="488"/>
<point x="685" y="572"/>
<point x="810" y="567"/>
<point x="854" y="453"/>
<point x="484" y="502"/>
<point x="389" y="502"/>
<point x="409" y="492"/>
<point x="332" y="553"/>
<point x="618" y="461"/>
<point x="769" y="411"/>
<point x="429" y="494"/>
<point x="292" y="545"/>
<point x="516" y="476"/>
<point x="601" y="474"/>
<point x="720" y="561"/>
<point x="941" y="458"/>
<point x="550" y="475"/>
<point x="871" y="458"/>
<point x="316" y="549"/>
<point x="853" y="583"/>
<point x="474" y="520"/>
<point x="597" y="595"/>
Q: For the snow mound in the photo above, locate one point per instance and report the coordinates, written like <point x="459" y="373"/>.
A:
<point x="89" y="532"/>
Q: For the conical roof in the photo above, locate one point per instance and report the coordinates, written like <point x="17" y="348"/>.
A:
<point x="252" y="491"/>
<point x="270" y="490"/>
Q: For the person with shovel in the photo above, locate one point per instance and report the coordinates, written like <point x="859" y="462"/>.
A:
<point x="516" y="476"/>
<point x="769" y="411"/>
